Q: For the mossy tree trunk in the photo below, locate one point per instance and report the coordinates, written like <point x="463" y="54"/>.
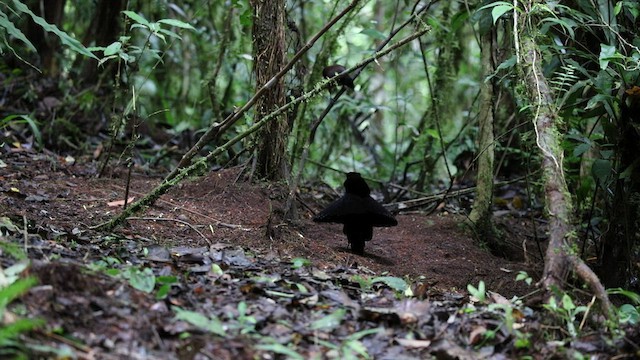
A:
<point x="560" y="259"/>
<point x="269" y="58"/>
<point x="481" y="214"/>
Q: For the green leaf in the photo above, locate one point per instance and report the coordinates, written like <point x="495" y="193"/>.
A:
<point x="137" y="18"/>
<point x="165" y="279"/>
<point x="628" y="314"/>
<point x="169" y="33"/>
<point x="479" y="293"/>
<point x="395" y="283"/>
<point x="210" y="324"/>
<point x="374" y="34"/>
<point x="11" y="331"/>
<point x="72" y="43"/>
<point x="500" y="10"/>
<point x="330" y="321"/>
<point x="459" y="20"/>
<point x="567" y="303"/>
<point x="143" y="280"/>
<point x="358" y="347"/>
<point x="13" y="31"/>
<point x="163" y="291"/>
<point x="581" y="149"/>
<point x="113" y="49"/>
<point x="300" y="262"/>
<point x="216" y="269"/>
<point x="15" y="290"/>
<point x="176" y="23"/>
<point x="618" y="8"/>
<point x="601" y="170"/>
<point x="606" y="53"/>
<point x="360" y="334"/>
<point x="280" y="349"/>
<point x="564" y="22"/>
<point x="634" y="297"/>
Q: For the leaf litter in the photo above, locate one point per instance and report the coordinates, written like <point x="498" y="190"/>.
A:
<point x="157" y="290"/>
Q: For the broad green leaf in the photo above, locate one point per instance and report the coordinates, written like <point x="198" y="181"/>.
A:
<point x="166" y="279"/>
<point x="633" y="7"/>
<point x="163" y="291"/>
<point x="628" y="314"/>
<point x="564" y="23"/>
<point x="581" y="149"/>
<point x="601" y="170"/>
<point x="113" y="49"/>
<point x="176" y="23"/>
<point x="500" y="10"/>
<point x="300" y="262"/>
<point x="137" y="18"/>
<point x="567" y="303"/>
<point x="606" y="53"/>
<point x="210" y="324"/>
<point x="143" y="280"/>
<point x="395" y="283"/>
<point x="330" y="321"/>
<point x="618" y="8"/>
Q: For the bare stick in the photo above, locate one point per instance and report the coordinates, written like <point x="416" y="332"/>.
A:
<point x="174" y="220"/>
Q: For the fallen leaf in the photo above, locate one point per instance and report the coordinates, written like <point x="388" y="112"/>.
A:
<point x="120" y="202"/>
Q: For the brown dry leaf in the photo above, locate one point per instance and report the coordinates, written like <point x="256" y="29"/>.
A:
<point x="120" y="202"/>
<point x="476" y="335"/>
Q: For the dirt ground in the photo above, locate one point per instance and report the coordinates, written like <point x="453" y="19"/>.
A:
<point x="437" y="250"/>
<point x="211" y="271"/>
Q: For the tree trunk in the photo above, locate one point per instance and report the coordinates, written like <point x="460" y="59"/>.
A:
<point x="481" y="214"/>
<point x="269" y="58"/>
<point x="559" y="259"/>
<point x="46" y="43"/>
<point x="104" y="29"/>
<point x="622" y="232"/>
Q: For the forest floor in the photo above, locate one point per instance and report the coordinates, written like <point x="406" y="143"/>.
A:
<point x="211" y="271"/>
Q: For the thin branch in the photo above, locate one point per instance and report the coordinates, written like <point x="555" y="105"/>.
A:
<point x="174" y="220"/>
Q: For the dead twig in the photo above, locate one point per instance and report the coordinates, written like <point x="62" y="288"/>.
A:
<point x="174" y="220"/>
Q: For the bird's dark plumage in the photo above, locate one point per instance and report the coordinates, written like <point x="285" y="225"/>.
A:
<point x="358" y="211"/>
<point x="333" y="70"/>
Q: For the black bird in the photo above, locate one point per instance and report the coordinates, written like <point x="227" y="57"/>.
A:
<point x="333" y="70"/>
<point x="358" y="211"/>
